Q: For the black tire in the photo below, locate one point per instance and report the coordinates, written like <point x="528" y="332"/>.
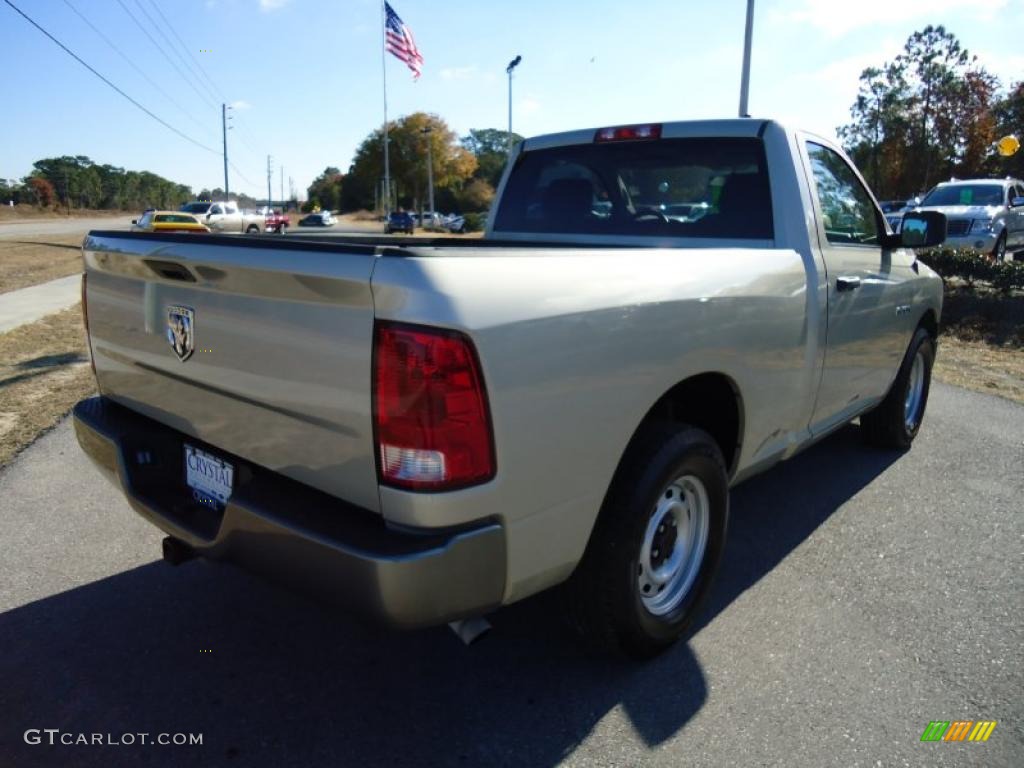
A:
<point x="252" y="230"/>
<point x="999" y="251"/>
<point x="282" y="230"/>
<point x="889" y="425"/>
<point x="604" y="596"/>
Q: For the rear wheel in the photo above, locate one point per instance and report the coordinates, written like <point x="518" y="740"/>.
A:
<point x="657" y="543"/>
<point x="894" y="423"/>
<point x="252" y="230"/>
<point x="283" y="229"/>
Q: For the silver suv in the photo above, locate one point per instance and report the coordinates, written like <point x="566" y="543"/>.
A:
<point x="983" y="215"/>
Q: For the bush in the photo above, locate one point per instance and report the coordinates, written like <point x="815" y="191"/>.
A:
<point x="475" y="222"/>
<point x="948" y="262"/>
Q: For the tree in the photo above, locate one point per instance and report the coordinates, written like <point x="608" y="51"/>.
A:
<point x="1008" y="115"/>
<point x="42" y="191"/>
<point x="407" y="154"/>
<point x="326" y="189"/>
<point x="476" y="196"/>
<point x="490" y="147"/>
<point x="924" y="116"/>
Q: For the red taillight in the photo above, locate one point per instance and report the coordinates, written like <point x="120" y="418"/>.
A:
<point x="431" y="417"/>
<point x="629" y="133"/>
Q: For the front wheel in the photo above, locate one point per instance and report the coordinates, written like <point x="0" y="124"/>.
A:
<point x="999" y="252"/>
<point x="657" y="543"/>
<point x="894" y="423"/>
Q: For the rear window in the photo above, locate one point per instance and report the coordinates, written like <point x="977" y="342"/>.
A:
<point x="665" y="188"/>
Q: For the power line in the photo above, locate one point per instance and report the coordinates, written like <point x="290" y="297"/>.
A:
<point x="159" y="28"/>
<point x="134" y="65"/>
<point x="213" y="88"/>
<point x="186" y="49"/>
<point x="75" y="56"/>
<point x="156" y="45"/>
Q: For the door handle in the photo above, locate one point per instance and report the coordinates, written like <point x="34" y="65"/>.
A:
<point x="847" y="283"/>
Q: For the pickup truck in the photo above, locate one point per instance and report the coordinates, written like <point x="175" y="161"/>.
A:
<point x="226" y="217"/>
<point x="277" y="222"/>
<point x="428" y="430"/>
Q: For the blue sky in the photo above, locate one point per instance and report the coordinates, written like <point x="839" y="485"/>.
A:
<point x="305" y="75"/>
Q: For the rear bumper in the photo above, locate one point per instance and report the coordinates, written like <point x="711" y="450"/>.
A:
<point x="295" y="534"/>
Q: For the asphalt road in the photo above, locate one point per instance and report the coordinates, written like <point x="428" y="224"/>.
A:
<point x="68" y="226"/>
<point x="863" y="595"/>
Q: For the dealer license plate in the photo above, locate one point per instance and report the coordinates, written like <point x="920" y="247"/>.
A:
<point x="208" y="476"/>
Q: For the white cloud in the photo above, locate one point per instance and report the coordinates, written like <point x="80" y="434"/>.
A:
<point x="273" y="5"/>
<point x="240" y="104"/>
<point x="847" y="70"/>
<point x="837" y="19"/>
<point x="458" y="73"/>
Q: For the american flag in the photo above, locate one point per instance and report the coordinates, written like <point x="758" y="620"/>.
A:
<point x="399" y="41"/>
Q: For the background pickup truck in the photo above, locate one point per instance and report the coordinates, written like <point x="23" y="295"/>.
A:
<point x="429" y="430"/>
<point x="226" y="217"/>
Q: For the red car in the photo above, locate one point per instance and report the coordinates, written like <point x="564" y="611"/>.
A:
<point x="277" y="222"/>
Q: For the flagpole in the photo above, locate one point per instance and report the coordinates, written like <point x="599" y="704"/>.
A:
<point x="384" y="72"/>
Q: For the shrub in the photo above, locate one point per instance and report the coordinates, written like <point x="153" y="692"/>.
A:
<point x="1004" y="276"/>
<point x="475" y="221"/>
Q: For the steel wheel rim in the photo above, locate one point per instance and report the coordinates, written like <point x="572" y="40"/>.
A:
<point x="915" y="393"/>
<point x="678" y="532"/>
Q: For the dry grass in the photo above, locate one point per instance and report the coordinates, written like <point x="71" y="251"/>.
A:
<point x="981" y="367"/>
<point x="982" y="342"/>
<point x="44" y="371"/>
<point x="33" y="260"/>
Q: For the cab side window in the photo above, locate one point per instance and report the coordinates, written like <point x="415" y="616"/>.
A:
<point x="216" y="210"/>
<point x="847" y="212"/>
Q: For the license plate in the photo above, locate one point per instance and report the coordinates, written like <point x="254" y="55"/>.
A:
<point x="208" y="476"/>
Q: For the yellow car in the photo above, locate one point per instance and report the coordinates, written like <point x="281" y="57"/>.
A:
<point x="168" y="221"/>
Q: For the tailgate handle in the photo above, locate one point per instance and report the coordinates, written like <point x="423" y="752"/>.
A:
<point x="171" y="270"/>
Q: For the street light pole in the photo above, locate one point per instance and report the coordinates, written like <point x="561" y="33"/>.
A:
<point x="430" y="173"/>
<point x="511" y="65"/>
<point x="224" y="129"/>
<point x="745" y="77"/>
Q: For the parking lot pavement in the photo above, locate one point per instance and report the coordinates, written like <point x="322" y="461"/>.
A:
<point x="26" y="305"/>
<point x="863" y="594"/>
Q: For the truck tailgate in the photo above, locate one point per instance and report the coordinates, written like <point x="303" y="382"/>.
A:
<point x="281" y="335"/>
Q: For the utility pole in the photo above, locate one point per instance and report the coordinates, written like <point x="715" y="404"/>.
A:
<point x="270" y="175"/>
<point x="430" y="173"/>
<point x="512" y="65"/>
<point x="745" y="77"/>
<point x="224" y="129"/>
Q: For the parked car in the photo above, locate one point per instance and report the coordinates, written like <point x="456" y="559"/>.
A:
<point x="321" y="219"/>
<point x="225" y="217"/>
<point x="277" y="222"/>
<point x="984" y="215"/>
<point x="456" y="224"/>
<point x="399" y="221"/>
<point x="167" y="221"/>
<point x="436" y="431"/>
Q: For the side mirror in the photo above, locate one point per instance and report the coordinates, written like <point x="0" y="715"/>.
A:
<point x="923" y="229"/>
<point x="1017" y="202"/>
